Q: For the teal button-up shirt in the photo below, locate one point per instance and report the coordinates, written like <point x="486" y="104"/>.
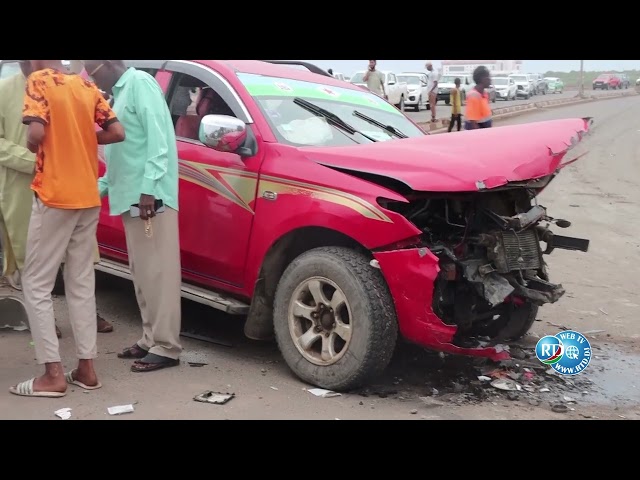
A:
<point x="147" y="161"/>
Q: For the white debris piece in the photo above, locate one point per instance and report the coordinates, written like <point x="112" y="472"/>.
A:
<point x="273" y="388"/>
<point x="374" y="263"/>
<point x="321" y="392"/>
<point x="544" y="390"/>
<point x="120" y="409"/>
<point x="484" y="378"/>
<point x="63" y="413"/>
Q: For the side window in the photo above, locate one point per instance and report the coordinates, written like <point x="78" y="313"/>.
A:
<point x="392" y="78"/>
<point x="9" y="69"/>
<point x="189" y="101"/>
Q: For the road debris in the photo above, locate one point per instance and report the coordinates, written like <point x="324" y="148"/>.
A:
<point x="484" y="378"/>
<point x="561" y="327"/>
<point x="506" y="385"/>
<point x="63" y="413"/>
<point x="559" y="408"/>
<point x="593" y="332"/>
<point x="431" y="402"/>
<point x="197" y="364"/>
<point x="321" y="392"/>
<point x="203" y="338"/>
<point x="413" y="412"/>
<point x="273" y="388"/>
<point x="217" y="398"/>
<point x="120" y="409"/>
<point x="568" y="399"/>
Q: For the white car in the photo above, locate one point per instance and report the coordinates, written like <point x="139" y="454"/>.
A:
<point x="446" y="84"/>
<point x="417" y="95"/>
<point x="506" y="88"/>
<point x="396" y="91"/>
<point x="523" y="84"/>
<point x="637" y="82"/>
<point x="339" y="76"/>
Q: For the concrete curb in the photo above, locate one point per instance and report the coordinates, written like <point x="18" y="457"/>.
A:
<point x="506" y="112"/>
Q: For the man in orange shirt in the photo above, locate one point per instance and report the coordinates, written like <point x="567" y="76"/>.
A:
<point x="478" y="112"/>
<point x="61" y="110"/>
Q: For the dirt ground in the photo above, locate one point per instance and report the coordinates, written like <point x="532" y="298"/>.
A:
<point x="599" y="194"/>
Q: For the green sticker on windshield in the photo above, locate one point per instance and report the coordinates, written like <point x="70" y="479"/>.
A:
<point x="264" y="86"/>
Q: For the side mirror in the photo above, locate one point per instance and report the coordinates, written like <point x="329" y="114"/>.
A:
<point x="224" y="134"/>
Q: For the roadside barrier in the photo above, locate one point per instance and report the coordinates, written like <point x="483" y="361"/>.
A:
<point x="528" y="107"/>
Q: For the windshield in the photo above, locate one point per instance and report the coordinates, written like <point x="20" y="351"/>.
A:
<point x="500" y="81"/>
<point x="450" y="79"/>
<point x="604" y="77"/>
<point x="520" y="78"/>
<point x="294" y="125"/>
<point x="358" y="78"/>
<point x="9" y="69"/>
<point x="410" y="79"/>
<point x="551" y="79"/>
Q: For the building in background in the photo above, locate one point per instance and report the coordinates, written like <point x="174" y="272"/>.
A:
<point x="460" y="67"/>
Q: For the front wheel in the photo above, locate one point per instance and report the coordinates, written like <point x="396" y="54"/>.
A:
<point x="513" y="323"/>
<point x="400" y="106"/>
<point x="334" y="318"/>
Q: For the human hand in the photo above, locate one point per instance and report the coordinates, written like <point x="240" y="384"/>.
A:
<point x="147" y="206"/>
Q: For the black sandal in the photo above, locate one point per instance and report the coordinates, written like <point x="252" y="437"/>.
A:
<point x="134" y="351"/>
<point x="153" y="362"/>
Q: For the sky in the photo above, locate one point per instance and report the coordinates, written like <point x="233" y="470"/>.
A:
<point x="347" y="67"/>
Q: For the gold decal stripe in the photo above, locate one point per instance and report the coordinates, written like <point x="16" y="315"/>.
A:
<point x="353" y="204"/>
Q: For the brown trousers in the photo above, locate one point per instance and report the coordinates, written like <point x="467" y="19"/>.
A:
<point x="53" y="234"/>
<point x="157" y="277"/>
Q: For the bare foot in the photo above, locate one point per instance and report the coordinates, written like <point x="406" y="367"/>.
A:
<point x="85" y="373"/>
<point x="103" y="325"/>
<point x="52" y="381"/>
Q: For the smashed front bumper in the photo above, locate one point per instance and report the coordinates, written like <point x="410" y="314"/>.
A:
<point x="410" y="275"/>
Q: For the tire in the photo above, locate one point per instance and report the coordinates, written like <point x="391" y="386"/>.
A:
<point x="419" y="103"/>
<point x="514" y="325"/>
<point x="400" y="106"/>
<point x="367" y="302"/>
<point x="447" y="102"/>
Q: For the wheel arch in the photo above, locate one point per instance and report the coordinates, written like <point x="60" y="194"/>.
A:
<point x="259" y="323"/>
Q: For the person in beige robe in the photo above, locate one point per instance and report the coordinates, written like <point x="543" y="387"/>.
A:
<point x="17" y="165"/>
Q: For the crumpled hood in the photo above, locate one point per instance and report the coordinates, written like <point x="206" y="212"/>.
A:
<point x="464" y="161"/>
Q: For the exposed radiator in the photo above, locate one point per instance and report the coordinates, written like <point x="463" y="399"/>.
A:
<point x="522" y="250"/>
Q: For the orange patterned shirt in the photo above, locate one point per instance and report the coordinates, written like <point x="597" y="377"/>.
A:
<point x="68" y="106"/>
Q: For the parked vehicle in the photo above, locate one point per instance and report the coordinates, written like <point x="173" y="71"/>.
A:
<point x="541" y="84"/>
<point x="637" y="82"/>
<point x="334" y="223"/>
<point x="339" y="76"/>
<point x="446" y="83"/>
<point x="624" y="81"/>
<point x="555" y="84"/>
<point x="396" y="91"/>
<point x="606" y="81"/>
<point x="417" y="94"/>
<point x="506" y="88"/>
<point x="523" y="84"/>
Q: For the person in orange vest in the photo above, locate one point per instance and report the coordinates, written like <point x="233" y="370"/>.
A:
<point x="478" y="112"/>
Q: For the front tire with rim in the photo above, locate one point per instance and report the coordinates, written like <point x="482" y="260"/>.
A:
<point x="334" y="318"/>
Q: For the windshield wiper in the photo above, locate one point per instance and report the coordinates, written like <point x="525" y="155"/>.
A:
<point x="387" y="128"/>
<point x="332" y="118"/>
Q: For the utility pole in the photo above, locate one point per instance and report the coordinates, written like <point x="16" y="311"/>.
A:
<point x="581" y="94"/>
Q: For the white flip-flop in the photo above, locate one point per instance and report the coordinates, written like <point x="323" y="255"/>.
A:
<point x="25" y="389"/>
<point x="72" y="381"/>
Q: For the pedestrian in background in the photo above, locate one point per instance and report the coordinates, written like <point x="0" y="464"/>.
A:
<point x="455" y="99"/>
<point x="478" y="111"/>
<point x="59" y="106"/>
<point x="375" y="79"/>
<point x="142" y="171"/>
<point x="432" y="89"/>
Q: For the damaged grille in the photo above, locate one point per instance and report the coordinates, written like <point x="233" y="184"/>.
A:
<point x="521" y="250"/>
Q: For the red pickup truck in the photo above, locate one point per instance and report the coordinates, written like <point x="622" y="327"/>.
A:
<point x="322" y="216"/>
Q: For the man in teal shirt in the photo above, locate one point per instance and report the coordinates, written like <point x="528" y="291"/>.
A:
<point x="141" y="171"/>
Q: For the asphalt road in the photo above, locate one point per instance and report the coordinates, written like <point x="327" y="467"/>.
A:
<point x="600" y="194"/>
<point x="444" y="111"/>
